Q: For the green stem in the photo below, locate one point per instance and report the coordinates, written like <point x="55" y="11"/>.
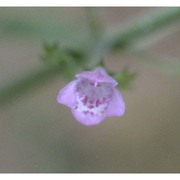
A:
<point x="120" y="40"/>
<point x="138" y="29"/>
<point x="25" y="83"/>
<point x="94" y="24"/>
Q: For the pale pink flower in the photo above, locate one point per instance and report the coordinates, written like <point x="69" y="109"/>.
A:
<point x="92" y="97"/>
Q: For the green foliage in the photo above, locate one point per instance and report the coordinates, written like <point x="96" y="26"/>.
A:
<point x="144" y="26"/>
<point x="72" y="57"/>
<point x="31" y="80"/>
<point x="55" y="55"/>
<point x="124" y="78"/>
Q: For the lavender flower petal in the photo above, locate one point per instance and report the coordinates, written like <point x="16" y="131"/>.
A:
<point x="116" y="106"/>
<point x="92" y="97"/>
<point x="66" y="95"/>
<point x="98" y="75"/>
<point x="87" y="119"/>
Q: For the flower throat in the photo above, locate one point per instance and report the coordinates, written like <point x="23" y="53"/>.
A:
<point x="92" y="97"/>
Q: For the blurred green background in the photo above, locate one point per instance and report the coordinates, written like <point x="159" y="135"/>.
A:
<point x="38" y="135"/>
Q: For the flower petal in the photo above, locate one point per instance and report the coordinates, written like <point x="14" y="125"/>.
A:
<point x="87" y="119"/>
<point x="98" y="75"/>
<point x="66" y="95"/>
<point x="116" y="106"/>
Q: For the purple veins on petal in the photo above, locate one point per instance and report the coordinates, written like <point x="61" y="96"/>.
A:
<point x="97" y="102"/>
<point x="90" y="106"/>
<point x="87" y="119"/>
<point x="92" y="97"/>
<point x="84" y="101"/>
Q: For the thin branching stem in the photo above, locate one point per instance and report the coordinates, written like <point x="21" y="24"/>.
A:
<point x="120" y="38"/>
<point x="110" y="42"/>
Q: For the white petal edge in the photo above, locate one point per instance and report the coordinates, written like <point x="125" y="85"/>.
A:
<point x="87" y="119"/>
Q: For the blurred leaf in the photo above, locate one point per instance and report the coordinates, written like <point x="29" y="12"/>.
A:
<point x="53" y="55"/>
<point x="68" y="60"/>
<point x="124" y="78"/>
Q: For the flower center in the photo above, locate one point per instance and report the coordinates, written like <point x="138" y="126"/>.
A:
<point x="92" y="97"/>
